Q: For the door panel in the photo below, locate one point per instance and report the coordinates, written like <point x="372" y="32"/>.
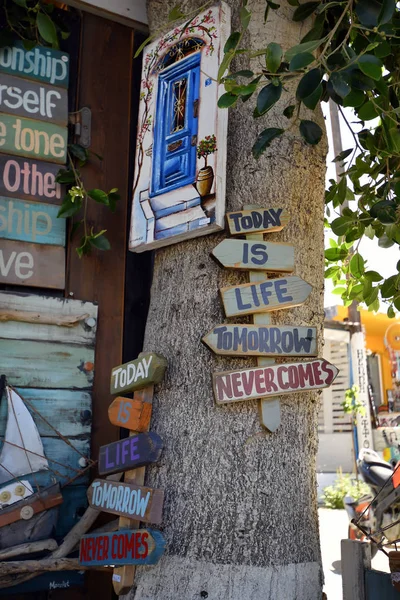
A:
<point x="176" y="124"/>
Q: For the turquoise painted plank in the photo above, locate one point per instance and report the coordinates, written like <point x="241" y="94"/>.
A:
<point x="62" y="580"/>
<point x="47" y="365"/>
<point x="33" y="139"/>
<point x="74" y="505"/>
<point x="31" y="222"/>
<point x="72" y="408"/>
<point x="39" y="63"/>
<point x="379" y="586"/>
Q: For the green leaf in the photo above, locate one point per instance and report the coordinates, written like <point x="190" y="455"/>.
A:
<point x="383" y="50"/>
<point x="264" y="140"/>
<point x="370" y="232"/>
<point x="371" y="299"/>
<point x="232" y="42"/>
<point x="299" y="61"/>
<point x="69" y="208"/>
<point x="304" y="47"/>
<point x="227" y="100"/>
<point x="371" y="66"/>
<point x="267" y="97"/>
<point x="391" y="312"/>
<point x="100" y="242"/>
<point x="175" y="13"/>
<point x="65" y="176"/>
<point x="20" y="3"/>
<point x="46" y="28"/>
<point x="357" y="265"/>
<point x="273" y="57"/>
<point x="340" y="85"/>
<point x="78" y="151"/>
<point x="368" y="12"/>
<point x="396" y="302"/>
<point x="342" y="155"/>
<point x="388" y="288"/>
<point x="310" y="132"/>
<point x="385" y="242"/>
<point x="308" y="83"/>
<point x="332" y="272"/>
<point x="388" y="8"/>
<point x="304" y="10"/>
<point x="367" y="111"/>
<point x="335" y="254"/>
<point x="289" y="110"/>
<point x="98" y="196"/>
<point x="341" y="225"/>
<point x="355" y="98"/>
<point x="245" y="16"/>
<point x="244" y="73"/>
<point x="373" y="276"/>
<point x="312" y="100"/>
<point x="338" y="291"/>
<point x="385" y="211"/>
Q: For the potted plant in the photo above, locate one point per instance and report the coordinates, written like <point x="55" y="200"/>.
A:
<point x="205" y="177"/>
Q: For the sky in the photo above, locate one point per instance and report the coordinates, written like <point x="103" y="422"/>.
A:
<point x="378" y="259"/>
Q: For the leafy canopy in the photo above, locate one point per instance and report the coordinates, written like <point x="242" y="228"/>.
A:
<point x="351" y="55"/>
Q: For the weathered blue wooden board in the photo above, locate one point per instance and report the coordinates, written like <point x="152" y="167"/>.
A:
<point x="47" y="319"/>
<point x="48" y="365"/>
<point x="73" y="409"/>
<point x="74" y="505"/>
<point x="33" y="139"/>
<point x="62" y="580"/>
<point x="123" y="547"/>
<point x="40" y="63"/>
<point x="379" y="586"/>
<point x="31" y="222"/>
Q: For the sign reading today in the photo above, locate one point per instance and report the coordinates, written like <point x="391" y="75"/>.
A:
<point x="262" y="340"/>
<point x="130" y="453"/>
<point x="147" y="369"/>
<point x="39" y="63"/>
<point x="257" y="220"/>
<point x="33" y="139"/>
<point x="122" y="547"/>
<point x="261" y="382"/>
<point x="126" y="500"/>
<point x="263" y="256"/>
<point x="272" y="294"/>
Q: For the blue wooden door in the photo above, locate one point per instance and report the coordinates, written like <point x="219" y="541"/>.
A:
<point x="176" y="123"/>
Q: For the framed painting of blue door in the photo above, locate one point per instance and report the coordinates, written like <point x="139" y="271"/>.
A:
<point x="176" y="126"/>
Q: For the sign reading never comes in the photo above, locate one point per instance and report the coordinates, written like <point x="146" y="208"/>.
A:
<point x="122" y="547"/>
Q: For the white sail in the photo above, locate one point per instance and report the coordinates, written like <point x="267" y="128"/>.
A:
<point x="26" y="455"/>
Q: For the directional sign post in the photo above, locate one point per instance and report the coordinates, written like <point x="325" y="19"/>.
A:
<point x="262" y="340"/>
<point x="149" y="368"/>
<point x="262" y="256"/>
<point x="134" y="414"/>
<point x="261" y="382"/>
<point x="130" y="453"/>
<point x="257" y="220"/>
<point x="272" y="294"/>
<point x="123" y="547"/>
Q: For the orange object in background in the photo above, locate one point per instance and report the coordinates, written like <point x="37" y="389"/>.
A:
<point x="396" y="476"/>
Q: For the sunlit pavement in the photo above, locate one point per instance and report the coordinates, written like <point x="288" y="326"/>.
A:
<point x="333" y="525"/>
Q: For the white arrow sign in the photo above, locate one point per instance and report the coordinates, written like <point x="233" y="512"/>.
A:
<point x="262" y="256"/>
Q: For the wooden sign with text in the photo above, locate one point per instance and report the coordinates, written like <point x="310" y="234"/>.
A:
<point x="262" y="340"/>
<point x="35" y="265"/>
<point x="127" y="500"/>
<point x="130" y="413"/>
<point x="31" y="222"/>
<point x="272" y="294"/>
<point x="39" y="63"/>
<point x="29" y="179"/>
<point x="33" y="139"/>
<point x="123" y="547"/>
<point x="261" y="382"/>
<point x="130" y="453"/>
<point x="257" y="220"/>
<point x="24" y="98"/>
<point x="149" y="368"/>
<point x="262" y="256"/>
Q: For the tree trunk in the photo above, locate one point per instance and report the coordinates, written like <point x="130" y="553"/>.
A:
<point x="240" y="515"/>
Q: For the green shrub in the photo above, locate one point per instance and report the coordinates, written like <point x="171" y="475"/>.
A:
<point x="343" y="486"/>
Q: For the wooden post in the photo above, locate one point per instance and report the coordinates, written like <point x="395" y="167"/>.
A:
<point x="123" y="576"/>
<point x="270" y="408"/>
<point x="355" y="559"/>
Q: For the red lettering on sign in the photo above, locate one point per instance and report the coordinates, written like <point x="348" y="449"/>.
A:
<point x="259" y="382"/>
<point x="327" y="368"/>
<point x="113" y="546"/>
<point x="293" y="377"/>
<point x="317" y="373"/>
<point x="248" y="382"/>
<point x="305" y="373"/>
<point x="269" y="380"/>
<point x="145" y="535"/>
<point x="236" y="385"/>
<point x="121" y="546"/>
<point x="224" y="386"/>
<point x="106" y="547"/>
<point x="282" y="384"/>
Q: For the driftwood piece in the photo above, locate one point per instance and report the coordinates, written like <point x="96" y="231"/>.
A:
<point x="45" y="564"/>
<point x="43" y="319"/>
<point x="67" y="546"/>
<point x="28" y="548"/>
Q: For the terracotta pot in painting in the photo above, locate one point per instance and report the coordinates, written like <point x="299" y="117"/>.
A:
<point x="205" y="180"/>
<point x="394" y="564"/>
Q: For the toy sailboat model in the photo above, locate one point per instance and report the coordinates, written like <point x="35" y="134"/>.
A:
<point x="25" y="515"/>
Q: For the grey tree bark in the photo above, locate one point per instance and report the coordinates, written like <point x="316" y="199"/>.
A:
<point x="240" y="515"/>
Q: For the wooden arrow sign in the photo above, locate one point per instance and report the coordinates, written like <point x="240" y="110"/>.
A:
<point x="130" y="453"/>
<point x="147" y="369"/>
<point x="126" y="500"/>
<point x="257" y="220"/>
<point x="272" y="294"/>
<point x="131" y="413"/>
<point x="123" y="547"/>
<point x="262" y="340"/>
<point x="261" y="382"/>
<point x="262" y="256"/>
